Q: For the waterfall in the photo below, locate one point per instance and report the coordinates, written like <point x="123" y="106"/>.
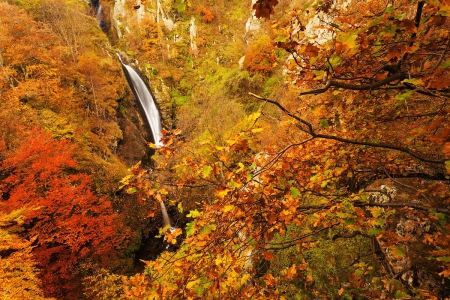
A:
<point x="166" y="220"/>
<point x="165" y="215"/>
<point x="99" y="16"/>
<point x="146" y="101"/>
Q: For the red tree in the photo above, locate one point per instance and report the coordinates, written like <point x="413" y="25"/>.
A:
<point x="72" y="224"/>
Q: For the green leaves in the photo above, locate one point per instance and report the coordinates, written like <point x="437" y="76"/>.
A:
<point x="324" y="123"/>
<point x="131" y="190"/>
<point x="206" y="171"/>
<point x="349" y="40"/>
<point x="194" y="214"/>
<point x="295" y="192"/>
<point x="190" y="228"/>
<point x="401" y="98"/>
<point x="375" y="231"/>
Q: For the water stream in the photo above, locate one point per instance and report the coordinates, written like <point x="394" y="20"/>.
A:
<point x="146" y="101"/>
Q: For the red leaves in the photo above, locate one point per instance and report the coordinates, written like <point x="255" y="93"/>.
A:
<point x="264" y="8"/>
<point x="72" y="223"/>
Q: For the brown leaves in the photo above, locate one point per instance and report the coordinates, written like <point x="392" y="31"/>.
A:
<point x="325" y="6"/>
<point x="408" y="25"/>
<point x="439" y="83"/>
<point x="264" y="8"/>
<point x="288" y="46"/>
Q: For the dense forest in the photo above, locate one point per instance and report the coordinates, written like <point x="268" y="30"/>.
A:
<point x="305" y="150"/>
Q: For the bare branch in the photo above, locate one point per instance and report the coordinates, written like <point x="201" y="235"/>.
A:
<point x="357" y="87"/>
<point x="311" y="132"/>
<point x="377" y="204"/>
<point x="293" y="242"/>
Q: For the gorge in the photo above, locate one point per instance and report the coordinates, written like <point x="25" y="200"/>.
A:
<point x="306" y="149"/>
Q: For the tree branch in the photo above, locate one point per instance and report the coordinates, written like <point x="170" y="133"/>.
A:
<point x="357" y="87"/>
<point x="380" y="145"/>
<point x="293" y="242"/>
<point x="401" y="205"/>
<point x="311" y="132"/>
<point x="377" y="204"/>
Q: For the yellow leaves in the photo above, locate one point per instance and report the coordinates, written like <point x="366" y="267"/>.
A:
<point x="171" y="236"/>
<point x="221" y="193"/>
<point x="257" y="130"/>
<point x="244" y="279"/>
<point x="218" y="261"/>
<point x="349" y="40"/>
<point x="444" y="10"/>
<point x="206" y="171"/>
<point x="18" y="271"/>
<point x="397" y="251"/>
<point x="227" y="208"/>
<point x="192" y="284"/>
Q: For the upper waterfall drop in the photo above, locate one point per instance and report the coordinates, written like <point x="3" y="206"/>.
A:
<point x="145" y="100"/>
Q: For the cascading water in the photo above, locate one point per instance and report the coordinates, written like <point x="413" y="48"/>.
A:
<point x="145" y="100"/>
<point x="165" y="215"/>
<point x="99" y="16"/>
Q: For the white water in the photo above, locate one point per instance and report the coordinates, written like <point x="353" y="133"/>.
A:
<point x="165" y="215"/>
<point x="147" y="102"/>
<point x="99" y="15"/>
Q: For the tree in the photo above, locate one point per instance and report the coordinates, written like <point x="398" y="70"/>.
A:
<point x="362" y="186"/>
<point x="72" y="224"/>
<point x="19" y="274"/>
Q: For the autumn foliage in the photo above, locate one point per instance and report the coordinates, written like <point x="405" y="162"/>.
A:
<point x="261" y="57"/>
<point x="207" y="15"/>
<point x="69" y="223"/>
<point x="53" y="81"/>
<point x="352" y="200"/>
<point x="19" y="272"/>
<point x="335" y="183"/>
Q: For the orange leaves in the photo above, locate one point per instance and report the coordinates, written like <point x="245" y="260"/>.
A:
<point x="268" y="255"/>
<point x="261" y="58"/>
<point x="309" y="50"/>
<point x="445" y="273"/>
<point x="446" y="150"/>
<point x="269" y="279"/>
<point x="207" y="15"/>
<point x="407" y="24"/>
<point x="393" y="53"/>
